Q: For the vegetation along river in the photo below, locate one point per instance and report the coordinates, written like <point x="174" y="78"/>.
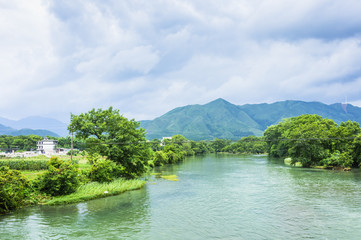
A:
<point x="216" y="197"/>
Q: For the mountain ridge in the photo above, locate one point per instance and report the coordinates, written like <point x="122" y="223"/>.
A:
<point x="222" y="119"/>
<point x="35" y="125"/>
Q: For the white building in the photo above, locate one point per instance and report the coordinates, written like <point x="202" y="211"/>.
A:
<point x="47" y="146"/>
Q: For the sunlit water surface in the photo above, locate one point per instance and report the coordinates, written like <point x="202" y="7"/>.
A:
<point x="216" y="197"/>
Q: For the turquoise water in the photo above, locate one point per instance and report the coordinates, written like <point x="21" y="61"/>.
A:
<point x="216" y="197"/>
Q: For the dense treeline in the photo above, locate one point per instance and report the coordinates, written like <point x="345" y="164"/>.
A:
<point x="28" y="143"/>
<point x="22" y="143"/>
<point x="315" y="141"/>
<point x="176" y="149"/>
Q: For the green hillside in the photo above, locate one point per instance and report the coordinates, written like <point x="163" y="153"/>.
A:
<point x="221" y="119"/>
<point x="4" y="130"/>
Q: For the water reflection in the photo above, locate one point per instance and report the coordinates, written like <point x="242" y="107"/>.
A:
<point x="126" y="214"/>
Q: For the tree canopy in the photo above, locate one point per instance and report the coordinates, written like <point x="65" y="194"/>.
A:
<point x="313" y="140"/>
<point x="114" y="136"/>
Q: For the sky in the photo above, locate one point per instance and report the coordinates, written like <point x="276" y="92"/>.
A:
<point x="147" y="57"/>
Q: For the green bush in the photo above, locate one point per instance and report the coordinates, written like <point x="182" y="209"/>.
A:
<point x="54" y="162"/>
<point x="62" y="178"/>
<point x="104" y="170"/>
<point x="14" y="189"/>
<point x="338" y="159"/>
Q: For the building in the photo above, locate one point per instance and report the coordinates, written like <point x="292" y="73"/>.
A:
<point x="46" y="146"/>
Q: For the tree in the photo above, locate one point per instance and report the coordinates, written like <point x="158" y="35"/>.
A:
<point x="114" y="136"/>
<point x="219" y="144"/>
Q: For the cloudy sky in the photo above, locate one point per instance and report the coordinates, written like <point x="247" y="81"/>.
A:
<point x="147" y="57"/>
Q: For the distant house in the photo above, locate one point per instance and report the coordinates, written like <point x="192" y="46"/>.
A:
<point x="47" y="146"/>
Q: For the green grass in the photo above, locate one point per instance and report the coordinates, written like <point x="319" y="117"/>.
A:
<point x="95" y="190"/>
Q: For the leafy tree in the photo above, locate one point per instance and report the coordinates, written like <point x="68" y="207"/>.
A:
<point x="313" y="140"/>
<point x="14" y="189"/>
<point x="160" y="158"/>
<point x="155" y="144"/>
<point x="114" y="136"/>
<point x="219" y="144"/>
<point x="200" y="147"/>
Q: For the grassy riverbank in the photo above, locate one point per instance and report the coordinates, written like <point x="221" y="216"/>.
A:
<point x="95" y="190"/>
<point x="88" y="191"/>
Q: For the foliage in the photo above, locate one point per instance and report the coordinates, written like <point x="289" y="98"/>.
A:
<point x="313" y="140"/>
<point x="65" y="142"/>
<point x="93" y="157"/>
<point x="338" y="159"/>
<point x="155" y="145"/>
<point x="200" y="147"/>
<point x="95" y="190"/>
<point x="61" y="178"/>
<point x="22" y="143"/>
<point x="25" y="164"/>
<point x="114" y="136"/>
<point x="218" y="144"/>
<point x="14" y="189"/>
<point x="104" y="170"/>
<point x="160" y="158"/>
<point x="251" y="144"/>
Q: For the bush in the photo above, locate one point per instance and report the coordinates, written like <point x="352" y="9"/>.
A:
<point x="62" y="178"/>
<point x="338" y="159"/>
<point x="93" y="157"/>
<point x="14" y="189"/>
<point x="104" y="170"/>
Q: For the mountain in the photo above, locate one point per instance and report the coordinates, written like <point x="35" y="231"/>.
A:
<point x="4" y="130"/>
<point x="222" y="119"/>
<point x="38" y="124"/>
<point x="217" y="119"/>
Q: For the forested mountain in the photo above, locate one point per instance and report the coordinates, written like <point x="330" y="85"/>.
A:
<point x="221" y="119"/>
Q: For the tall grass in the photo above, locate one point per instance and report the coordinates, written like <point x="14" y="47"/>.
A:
<point x="95" y="190"/>
<point x="24" y="164"/>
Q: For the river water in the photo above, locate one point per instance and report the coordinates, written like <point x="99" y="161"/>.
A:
<point x="216" y="197"/>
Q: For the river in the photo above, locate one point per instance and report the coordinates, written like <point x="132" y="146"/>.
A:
<point x="216" y="197"/>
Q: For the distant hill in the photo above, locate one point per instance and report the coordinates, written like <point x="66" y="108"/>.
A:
<point x="36" y="123"/>
<point x="221" y="119"/>
<point x="10" y="131"/>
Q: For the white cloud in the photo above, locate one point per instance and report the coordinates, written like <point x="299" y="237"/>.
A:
<point x="148" y="57"/>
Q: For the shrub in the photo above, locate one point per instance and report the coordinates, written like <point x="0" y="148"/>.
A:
<point x="104" y="170"/>
<point x="55" y="162"/>
<point x="93" y="157"/>
<point x="338" y="159"/>
<point x="62" y="178"/>
<point x="14" y="189"/>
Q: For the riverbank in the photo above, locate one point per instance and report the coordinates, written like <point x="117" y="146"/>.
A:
<point x="96" y="190"/>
